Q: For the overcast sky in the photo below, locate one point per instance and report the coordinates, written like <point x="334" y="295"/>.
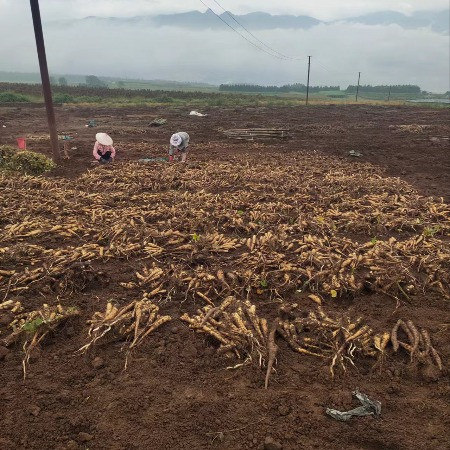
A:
<point x="385" y="54"/>
<point x="321" y="9"/>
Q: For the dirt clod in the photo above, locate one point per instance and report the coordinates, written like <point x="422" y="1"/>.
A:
<point x="6" y="319"/>
<point x="34" y="410"/>
<point x="6" y="444"/>
<point x="35" y="354"/>
<point x="85" y="437"/>
<point x="98" y="363"/>
<point x="72" y="445"/>
<point x="271" y="444"/>
<point x="284" y="410"/>
<point x="3" y="352"/>
<point x="430" y="373"/>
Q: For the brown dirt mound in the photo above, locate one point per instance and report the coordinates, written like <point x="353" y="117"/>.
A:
<point x="271" y="224"/>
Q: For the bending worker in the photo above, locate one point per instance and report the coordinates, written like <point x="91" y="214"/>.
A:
<point x="104" y="152"/>
<point x="179" y="142"/>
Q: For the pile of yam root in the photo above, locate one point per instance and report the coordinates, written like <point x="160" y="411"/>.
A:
<point x="240" y="332"/>
<point x="215" y="231"/>
<point x="235" y="328"/>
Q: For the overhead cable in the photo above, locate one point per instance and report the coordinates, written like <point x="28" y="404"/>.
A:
<point x="242" y="35"/>
<point x="292" y="58"/>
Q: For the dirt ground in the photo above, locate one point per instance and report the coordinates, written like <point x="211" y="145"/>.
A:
<point x="419" y="155"/>
<point x="177" y="393"/>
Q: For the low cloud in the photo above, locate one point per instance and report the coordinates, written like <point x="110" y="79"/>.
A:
<point x="322" y="9"/>
<point x="384" y="54"/>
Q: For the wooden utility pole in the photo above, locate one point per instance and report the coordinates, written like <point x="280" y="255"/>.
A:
<point x="307" y="84"/>
<point x="357" y="88"/>
<point x="389" y="96"/>
<point x="45" y="78"/>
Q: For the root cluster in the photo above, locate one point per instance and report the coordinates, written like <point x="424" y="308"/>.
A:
<point x="131" y="323"/>
<point x="31" y="328"/>
<point x="338" y="340"/>
<point x="418" y="343"/>
<point x="239" y="330"/>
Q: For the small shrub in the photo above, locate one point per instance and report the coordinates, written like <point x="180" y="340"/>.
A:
<point x="431" y="231"/>
<point x="164" y="99"/>
<point x="29" y="163"/>
<point x="6" y="153"/>
<point x="88" y="99"/>
<point x="11" y="97"/>
<point x="63" y="98"/>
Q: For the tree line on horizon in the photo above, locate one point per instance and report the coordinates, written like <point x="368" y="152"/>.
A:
<point x="299" y="87"/>
<point x="383" y="88"/>
<point x="296" y="87"/>
<point x="96" y="82"/>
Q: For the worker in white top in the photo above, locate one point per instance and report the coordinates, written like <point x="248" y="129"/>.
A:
<point x="179" y="142"/>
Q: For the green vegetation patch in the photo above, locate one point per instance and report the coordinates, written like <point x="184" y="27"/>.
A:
<point x="6" y="152"/>
<point x="26" y="162"/>
<point x="11" y="97"/>
<point x="63" y="98"/>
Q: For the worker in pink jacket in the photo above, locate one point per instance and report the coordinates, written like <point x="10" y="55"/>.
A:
<point x="104" y="152"/>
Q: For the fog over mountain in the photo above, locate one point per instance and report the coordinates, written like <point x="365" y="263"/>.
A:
<point x="387" y="47"/>
<point x="438" y="21"/>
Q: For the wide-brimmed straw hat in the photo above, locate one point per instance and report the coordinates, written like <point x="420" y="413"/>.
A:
<point x="176" y="140"/>
<point x="103" y="139"/>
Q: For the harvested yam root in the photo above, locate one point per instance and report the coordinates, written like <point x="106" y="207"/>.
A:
<point x="147" y="278"/>
<point x="238" y="330"/>
<point x="217" y="243"/>
<point x="380" y="342"/>
<point x="8" y="312"/>
<point x="413" y="128"/>
<point x="272" y="350"/>
<point x="34" y="326"/>
<point x="321" y="336"/>
<point x="133" y="323"/>
<point x="11" y="306"/>
<point x="418" y="345"/>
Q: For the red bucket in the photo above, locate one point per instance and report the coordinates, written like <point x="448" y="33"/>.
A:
<point x="22" y="143"/>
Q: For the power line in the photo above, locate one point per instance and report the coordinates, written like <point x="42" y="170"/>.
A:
<point x="240" y="34"/>
<point x="333" y="70"/>
<point x="337" y="77"/>
<point x="256" y="38"/>
<point x="270" y="51"/>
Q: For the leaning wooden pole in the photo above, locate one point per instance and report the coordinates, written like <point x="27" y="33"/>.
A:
<point x="357" y="87"/>
<point x="45" y="78"/>
<point x="307" y="83"/>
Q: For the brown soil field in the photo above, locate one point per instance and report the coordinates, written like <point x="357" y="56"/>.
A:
<point x="272" y="228"/>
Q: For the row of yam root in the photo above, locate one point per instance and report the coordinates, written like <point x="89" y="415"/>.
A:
<point x="234" y="327"/>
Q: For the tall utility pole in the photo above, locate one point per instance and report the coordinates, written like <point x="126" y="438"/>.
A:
<point x="357" y="88"/>
<point x="45" y="78"/>
<point x="307" y="84"/>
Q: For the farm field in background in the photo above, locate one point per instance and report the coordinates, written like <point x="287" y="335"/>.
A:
<point x="150" y="302"/>
<point x="191" y="96"/>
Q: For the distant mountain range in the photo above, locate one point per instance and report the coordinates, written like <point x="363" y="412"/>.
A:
<point x="438" y="21"/>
